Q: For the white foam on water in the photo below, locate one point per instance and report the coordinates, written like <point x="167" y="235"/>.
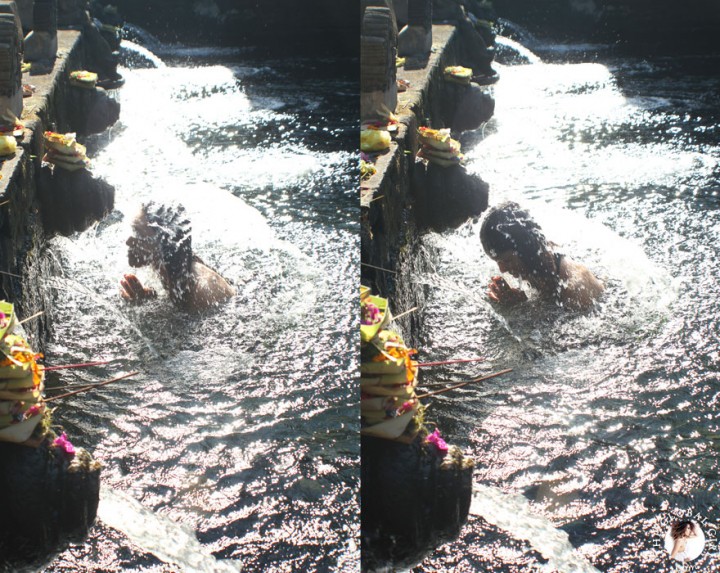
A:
<point x="512" y="513"/>
<point x="153" y="533"/>
<point x="519" y="49"/>
<point x="144" y="52"/>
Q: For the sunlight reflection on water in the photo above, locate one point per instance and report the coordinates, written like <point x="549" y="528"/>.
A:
<point x="603" y="424"/>
<point x="241" y="426"/>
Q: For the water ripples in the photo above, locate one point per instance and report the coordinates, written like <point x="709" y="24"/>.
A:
<point x="240" y="429"/>
<point x="608" y="420"/>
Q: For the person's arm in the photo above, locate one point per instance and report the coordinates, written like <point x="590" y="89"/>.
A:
<point x="501" y="292"/>
<point x="132" y="290"/>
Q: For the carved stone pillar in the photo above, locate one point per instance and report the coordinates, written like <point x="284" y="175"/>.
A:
<point x="415" y="39"/>
<point x="10" y="64"/>
<point x="10" y="7"/>
<point x="41" y="43"/>
<point x="378" y="52"/>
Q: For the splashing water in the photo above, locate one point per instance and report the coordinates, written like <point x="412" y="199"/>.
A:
<point x="609" y="419"/>
<point x="167" y="540"/>
<point x="511" y="513"/>
<point x="242" y="424"/>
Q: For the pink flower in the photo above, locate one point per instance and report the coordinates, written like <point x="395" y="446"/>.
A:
<point x="406" y="407"/>
<point x="32" y="411"/>
<point x="370" y="314"/>
<point x="64" y="444"/>
<point x="436" y="440"/>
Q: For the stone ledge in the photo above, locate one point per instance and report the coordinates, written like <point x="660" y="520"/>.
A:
<point x="413" y="107"/>
<point x="38" y="110"/>
<point x="389" y="228"/>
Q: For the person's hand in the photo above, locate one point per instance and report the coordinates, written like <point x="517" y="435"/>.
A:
<point x="132" y="290"/>
<point x="501" y="292"/>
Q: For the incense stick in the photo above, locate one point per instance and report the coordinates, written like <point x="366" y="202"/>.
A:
<point x="83" y="365"/>
<point x="90" y="387"/>
<point x="378" y="268"/>
<point x="493" y="375"/>
<point x="457" y="361"/>
<point x="10" y="274"/>
<point x="31" y="317"/>
<point x="413" y="309"/>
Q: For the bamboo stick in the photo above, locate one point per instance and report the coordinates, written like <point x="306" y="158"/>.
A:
<point x="90" y="387"/>
<point x="481" y="379"/>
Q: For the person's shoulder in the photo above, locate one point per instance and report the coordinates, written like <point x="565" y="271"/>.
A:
<point x="581" y="288"/>
<point x="210" y="285"/>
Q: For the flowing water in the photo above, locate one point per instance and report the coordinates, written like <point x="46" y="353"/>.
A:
<point x="608" y="427"/>
<point x="236" y="444"/>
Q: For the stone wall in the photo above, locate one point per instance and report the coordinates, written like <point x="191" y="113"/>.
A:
<point x="23" y="258"/>
<point x="390" y="231"/>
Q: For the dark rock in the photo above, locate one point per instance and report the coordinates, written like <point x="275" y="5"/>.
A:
<point x="46" y="498"/>
<point x="413" y="499"/>
<point x="93" y="110"/>
<point x="447" y="197"/>
<point x="474" y="107"/>
<point x="71" y="201"/>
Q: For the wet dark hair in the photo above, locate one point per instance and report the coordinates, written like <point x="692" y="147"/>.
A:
<point x="509" y="227"/>
<point x="172" y="234"/>
<point x="678" y="528"/>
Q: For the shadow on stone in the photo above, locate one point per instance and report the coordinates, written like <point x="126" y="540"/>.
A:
<point x="412" y="500"/>
<point x="71" y="201"/>
<point x="46" y="498"/>
<point x="447" y="197"/>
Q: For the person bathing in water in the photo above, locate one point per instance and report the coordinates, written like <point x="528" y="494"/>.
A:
<point x="517" y="244"/>
<point x="162" y="239"/>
